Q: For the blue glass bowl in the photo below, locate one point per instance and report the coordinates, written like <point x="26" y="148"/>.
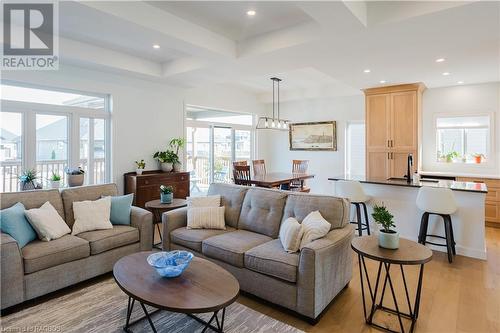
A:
<point x="170" y="264"/>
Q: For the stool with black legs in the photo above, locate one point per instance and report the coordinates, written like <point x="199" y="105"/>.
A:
<point x="437" y="201"/>
<point x="353" y="191"/>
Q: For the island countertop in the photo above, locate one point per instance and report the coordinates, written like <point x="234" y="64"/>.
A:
<point x="454" y="185"/>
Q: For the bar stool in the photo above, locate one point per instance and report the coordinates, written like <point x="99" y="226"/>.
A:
<point x="437" y="201"/>
<point x="353" y="191"/>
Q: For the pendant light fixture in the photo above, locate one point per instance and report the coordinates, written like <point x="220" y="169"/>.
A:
<point x="274" y="122"/>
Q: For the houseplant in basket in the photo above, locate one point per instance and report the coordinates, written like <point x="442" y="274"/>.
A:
<point x="140" y="166"/>
<point x="27" y="180"/>
<point x="55" y="180"/>
<point x="75" y="176"/>
<point x="166" y="159"/>
<point x="176" y="144"/>
<point x="387" y="237"/>
<point x="166" y="194"/>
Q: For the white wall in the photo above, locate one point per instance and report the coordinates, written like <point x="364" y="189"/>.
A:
<point x="323" y="164"/>
<point x="464" y="99"/>
<point x="146" y="115"/>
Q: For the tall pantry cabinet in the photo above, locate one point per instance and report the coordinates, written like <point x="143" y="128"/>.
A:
<point x="392" y="129"/>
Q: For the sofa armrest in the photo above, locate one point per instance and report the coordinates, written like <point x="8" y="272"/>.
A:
<point x="325" y="268"/>
<point x="172" y="220"/>
<point x="12" y="272"/>
<point x="143" y="220"/>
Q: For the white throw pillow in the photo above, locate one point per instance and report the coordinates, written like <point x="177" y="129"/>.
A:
<point x="208" y="201"/>
<point x="291" y="232"/>
<point x="91" y="215"/>
<point x="315" y="226"/>
<point x="47" y="222"/>
<point x="206" y="218"/>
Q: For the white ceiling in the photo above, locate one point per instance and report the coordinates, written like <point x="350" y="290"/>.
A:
<point x="311" y="45"/>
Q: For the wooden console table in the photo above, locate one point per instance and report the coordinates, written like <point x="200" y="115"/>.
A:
<point x="146" y="187"/>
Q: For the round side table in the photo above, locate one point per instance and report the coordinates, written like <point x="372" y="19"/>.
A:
<point x="408" y="253"/>
<point x="158" y="208"/>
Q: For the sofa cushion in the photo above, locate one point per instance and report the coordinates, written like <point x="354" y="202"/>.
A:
<point x="33" y="199"/>
<point x="271" y="259"/>
<point x="40" y="255"/>
<point x="231" y="198"/>
<point x="230" y="247"/>
<point x="14" y="222"/>
<point x="82" y="193"/>
<point x="192" y="238"/>
<point x="262" y="210"/>
<point x="104" y="240"/>
<point x="334" y="210"/>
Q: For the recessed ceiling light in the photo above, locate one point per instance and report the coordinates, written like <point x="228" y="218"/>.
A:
<point x="440" y="59"/>
<point x="460" y="82"/>
<point x="251" y="13"/>
<point x="367" y="71"/>
<point x="383" y="81"/>
<point x="446" y="73"/>
<point x="156" y="46"/>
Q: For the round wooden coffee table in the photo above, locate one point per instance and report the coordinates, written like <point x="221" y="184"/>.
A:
<point x="202" y="287"/>
<point x="408" y="253"/>
<point x="158" y="208"/>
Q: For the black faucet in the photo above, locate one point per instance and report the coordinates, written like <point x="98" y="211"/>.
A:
<point x="409" y="166"/>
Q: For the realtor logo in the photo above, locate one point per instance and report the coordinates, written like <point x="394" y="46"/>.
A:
<point x="29" y="36"/>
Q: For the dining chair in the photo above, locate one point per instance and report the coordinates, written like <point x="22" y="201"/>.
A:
<point x="241" y="175"/>
<point x="259" y="168"/>
<point x="299" y="166"/>
<point x="240" y="163"/>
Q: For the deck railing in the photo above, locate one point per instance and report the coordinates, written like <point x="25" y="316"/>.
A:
<point x="11" y="170"/>
<point x="201" y="169"/>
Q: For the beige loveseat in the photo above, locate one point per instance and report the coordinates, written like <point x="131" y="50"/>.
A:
<point x="42" y="267"/>
<point x="304" y="282"/>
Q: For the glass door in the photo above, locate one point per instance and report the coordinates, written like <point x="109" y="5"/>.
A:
<point x="223" y="154"/>
<point x="198" y="163"/>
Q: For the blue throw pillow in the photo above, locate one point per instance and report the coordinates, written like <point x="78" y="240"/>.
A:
<point x="121" y="206"/>
<point x="14" y="223"/>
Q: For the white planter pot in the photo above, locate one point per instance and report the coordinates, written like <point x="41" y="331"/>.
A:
<point x="177" y="167"/>
<point x="139" y="171"/>
<point x="55" y="183"/>
<point x="166" y="167"/>
<point x="388" y="240"/>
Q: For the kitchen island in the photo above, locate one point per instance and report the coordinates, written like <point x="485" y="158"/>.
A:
<point x="400" y="198"/>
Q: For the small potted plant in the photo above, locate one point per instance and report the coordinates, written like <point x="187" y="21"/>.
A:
<point x="387" y="238"/>
<point x="75" y="176"/>
<point x="55" y="180"/>
<point x="452" y="156"/>
<point x="478" y="158"/>
<point x="27" y="180"/>
<point x="166" y="160"/>
<point x="166" y="194"/>
<point x="140" y="166"/>
<point x="176" y="144"/>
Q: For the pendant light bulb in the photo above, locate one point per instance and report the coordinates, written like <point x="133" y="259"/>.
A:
<point x="273" y="125"/>
<point x="279" y="124"/>
<point x="285" y="125"/>
<point x="266" y="124"/>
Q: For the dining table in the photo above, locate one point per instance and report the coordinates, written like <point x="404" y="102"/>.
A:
<point x="276" y="179"/>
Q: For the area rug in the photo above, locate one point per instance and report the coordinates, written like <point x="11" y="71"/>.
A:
<point x="102" y="308"/>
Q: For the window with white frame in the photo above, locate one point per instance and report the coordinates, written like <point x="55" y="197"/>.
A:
<point x="49" y="131"/>
<point x="355" y="152"/>
<point x="463" y="139"/>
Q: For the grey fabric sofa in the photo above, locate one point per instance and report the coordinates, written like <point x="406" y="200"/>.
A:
<point x="42" y="267"/>
<point x="305" y="282"/>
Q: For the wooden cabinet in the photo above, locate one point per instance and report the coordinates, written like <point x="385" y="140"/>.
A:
<point x="492" y="203"/>
<point x="146" y="187"/>
<point x="392" y="129"/>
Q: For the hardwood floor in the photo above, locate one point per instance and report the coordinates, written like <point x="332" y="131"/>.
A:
<point x="460" y="297"/>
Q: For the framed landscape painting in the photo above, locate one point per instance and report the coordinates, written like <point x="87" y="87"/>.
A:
<point x="313" y="136"/>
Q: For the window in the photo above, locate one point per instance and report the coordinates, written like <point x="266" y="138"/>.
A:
<point x="463" y="139"/>
<point x="214" y="139"/>
<point x="355" y="152"/>
<point x="49" y="131"/>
